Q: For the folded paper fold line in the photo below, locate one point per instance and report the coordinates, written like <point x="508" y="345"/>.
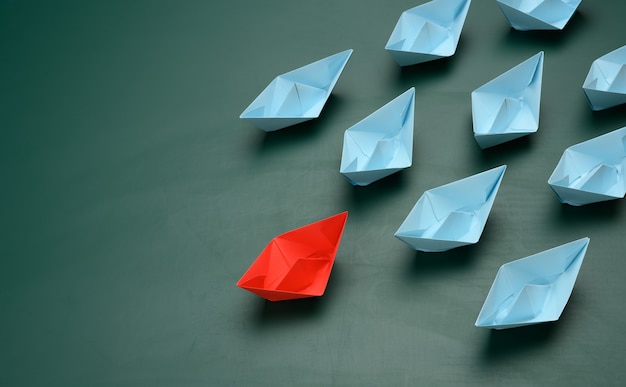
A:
<point x="296" y="264"/>
<point x="451" y="215"/>
<point x="533" y="289"/>
<point x="605" y="84"/>
<point x="507" y="107"/>
<point x="296" y="96"/>
<point x="427" y="32"/>
<point x="592" y="171"/>
<point x="381" y="143"/>
<point x="527" y="15"/>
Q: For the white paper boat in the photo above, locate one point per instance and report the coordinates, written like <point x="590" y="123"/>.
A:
<point x="381" y="143"/>
<point x="534" y="289"/>
<point x="296" y="96"/>
<point x="507" y="107"/>
<point x="605" y="85"/>
<point x="427" y="32"/>
<point x="452" y="215"/>
<point x="525" y="15"/>
<point x="592" y="171"/>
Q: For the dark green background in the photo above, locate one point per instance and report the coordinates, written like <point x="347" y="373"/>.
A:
<point x="132" y="199"/>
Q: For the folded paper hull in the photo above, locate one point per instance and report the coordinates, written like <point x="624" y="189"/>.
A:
<point x="381" y="144"/>
<point x="592" y="171"/>
<point x="533" y="289"/>
<point x="296" y="96"/>
<point x="452" y="215"/>
<point x="427" y="32"/>
<point x="296" y="264"/>
<point x="527" y="15"/>
<point x="605" y="84"/>
<point x="507" y="107"/>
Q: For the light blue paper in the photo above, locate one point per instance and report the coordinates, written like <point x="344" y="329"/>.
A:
<point x="605" y="85"/>
<point x="526" y="15"/>
<point x="296" y="96"/>
<point x="427" y="32"/>
<point x="592" y="171"/>
<point x="534" y="289"/>
<point x="381" y="143"/>
<point x="452" y="215"/>
<point x="507" y="107"/>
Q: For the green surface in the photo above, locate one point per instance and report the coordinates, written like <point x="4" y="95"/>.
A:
<point x="132" y="198"/>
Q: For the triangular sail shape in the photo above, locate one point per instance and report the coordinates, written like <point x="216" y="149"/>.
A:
<point x="534" y="289"/>
<point x="427" y="32"/>
<point x="592" y="171"/>
<point x="296" y="264"/>
<point x="527" y="15"/>
<point x="605" y="84"/>
<point x="507" y="107"/>
<point x="381" y="143"/>
<point x="452" y="215"/>
<point x="296" y="96"/>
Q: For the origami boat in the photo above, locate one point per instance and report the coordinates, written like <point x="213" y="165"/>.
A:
<point x="507" y="107"/>
<point x="452" y="215"/>
<point x="605" y="85"/>
<point x="296" y="264"/>
<point x="381" y="143"/>
<point x="534" y="289"/>
<point x="296" y="96"/>
<point x="592" y="171"/>
<point x="525" y="15"/>
<point x="427" y="32"/>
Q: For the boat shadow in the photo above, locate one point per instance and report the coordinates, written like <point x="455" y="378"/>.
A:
<point x="501" y="153"/>
<point x="461" y="258"/>
<point x="359" y="198"/>
<point x="303" y="133"/>
<point x="267" y="314"/>
<point x="502" y="345"/>
<point x="431" y="71"/>
<point x="589" y="214"/>
<point x="612" y="118"/>
<point x="546" y="38"/>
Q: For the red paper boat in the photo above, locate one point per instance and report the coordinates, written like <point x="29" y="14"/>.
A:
<point x="296" y="264"/>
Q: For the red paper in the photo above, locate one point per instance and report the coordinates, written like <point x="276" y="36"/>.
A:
<point x="296" y="264"/>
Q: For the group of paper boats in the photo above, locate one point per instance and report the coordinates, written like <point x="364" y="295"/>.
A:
<point x="503" y="109"/>
<point x="530" y="290"/>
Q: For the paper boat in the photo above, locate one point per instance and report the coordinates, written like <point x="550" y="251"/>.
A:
<point x="296" y="264"/>
<point x="427" y="32"/>
<point x="605" y="85"/>
<point x="507" y="107"/>
<point x="380" y="144"/>
<point x="296" y="96"/>
<point x="592" y="171"/>
<point x="526" y="15"/>
<point x="452" y="215"/>
<point x="534" y="289"/>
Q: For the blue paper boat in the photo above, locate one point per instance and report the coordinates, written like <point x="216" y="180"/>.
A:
<point x="381" y="143"/>
<point x="534" y="289"/>
<point x="605" y="85"/>
<point x="507" y="107"/>
<point x="427" y="32"/>
<point x="592" y="171"/>
<point x="296" y="96"/>
<point x="526" y="15"/>
<point x="452" y="215"/>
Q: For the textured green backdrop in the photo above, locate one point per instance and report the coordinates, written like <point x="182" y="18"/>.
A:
<point x="132" y="198"/>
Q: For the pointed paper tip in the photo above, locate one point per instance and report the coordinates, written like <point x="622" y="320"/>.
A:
<point x="585" y="241"/>
<point x="501" y="169"/>
<point x="342" y="215"/>
<point x="346" y="54"/>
